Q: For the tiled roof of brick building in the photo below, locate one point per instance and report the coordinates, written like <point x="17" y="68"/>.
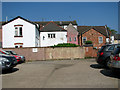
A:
<point x="100" y="29"/>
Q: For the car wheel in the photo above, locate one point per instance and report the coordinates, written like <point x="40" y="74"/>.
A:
<point x="10" y="69"/>
<point x="107" y="60"/>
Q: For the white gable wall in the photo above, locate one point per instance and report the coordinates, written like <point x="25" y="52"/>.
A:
<point x="28" y="32"/>
<point x="60" y="37"/>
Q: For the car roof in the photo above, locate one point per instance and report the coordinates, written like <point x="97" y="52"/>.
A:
<point x="110" y="44"/>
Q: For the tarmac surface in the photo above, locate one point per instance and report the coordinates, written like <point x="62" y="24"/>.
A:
<point x="84" y="73"/>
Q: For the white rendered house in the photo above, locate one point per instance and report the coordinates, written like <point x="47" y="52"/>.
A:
<point x="20" y="32"/>
<point x="52" y="34"/>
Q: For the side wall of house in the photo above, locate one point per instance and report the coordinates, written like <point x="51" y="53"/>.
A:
<point x="60" y="37"/>
<point x="72" y="34"/>
<point x="8" y="33"/>
<point x="0" y="35"/>
<point x="93" y="35"/>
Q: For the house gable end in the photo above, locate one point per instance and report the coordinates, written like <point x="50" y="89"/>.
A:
<point x="18" y="17"/>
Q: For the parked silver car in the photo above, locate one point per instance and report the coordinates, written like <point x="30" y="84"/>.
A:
<point x="114" y="62"/>
<point x="7" y="62"/>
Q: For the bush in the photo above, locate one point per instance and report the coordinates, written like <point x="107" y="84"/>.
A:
<point x="65" y="45"/>
<point x="88" y="42"/>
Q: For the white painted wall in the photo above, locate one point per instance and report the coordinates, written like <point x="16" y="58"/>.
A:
<point x="112" y="39"/>
<point x="28" y="30"/>
<point x="60" y="38"/>
<point x="107" y="40"/>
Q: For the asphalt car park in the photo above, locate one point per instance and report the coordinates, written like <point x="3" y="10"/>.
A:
<point x="83" y="73"/>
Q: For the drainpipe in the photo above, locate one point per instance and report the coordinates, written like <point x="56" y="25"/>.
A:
<point x="81" y="39"/>
<point x="78" y="38"/>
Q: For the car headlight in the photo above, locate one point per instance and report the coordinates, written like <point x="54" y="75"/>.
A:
<point x="5" y="62"/>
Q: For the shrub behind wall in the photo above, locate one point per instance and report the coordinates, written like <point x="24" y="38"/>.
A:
<point x="65" y="45"/>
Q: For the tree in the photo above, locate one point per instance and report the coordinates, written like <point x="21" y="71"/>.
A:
<point x="112" y="31"/>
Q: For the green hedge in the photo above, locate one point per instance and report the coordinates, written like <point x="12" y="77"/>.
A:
<point x="65" y="45"/>
<point x="88" y="42"/>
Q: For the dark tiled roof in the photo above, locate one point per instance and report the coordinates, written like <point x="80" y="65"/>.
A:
<point x="100" y="29"/>
<point x="117" y="37"/>
<point x="51" y="27"/>
<point x="57" y="22"/>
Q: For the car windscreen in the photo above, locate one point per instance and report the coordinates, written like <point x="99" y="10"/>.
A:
<point x="117" y="51"/>
<point x="102" y="48"/>
<point x="8" y="52"/>
<point x="13" y="53"/>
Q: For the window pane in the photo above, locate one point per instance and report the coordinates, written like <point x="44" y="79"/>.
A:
<point x="43" y="37"/>
<point x="84" y="39"/>
<point x="53" y="35"/>
<point x="48" y="35"/>
<point x="16" y="46"/>
<point x="75" y="39"/>
<point x="16" y="32"/>
<point x="100" y="39"/>
<point x="16" y="28"/>
<point x="70" y="39"/>
<point x="20" y="31"/>
<point x="111" y="48"/>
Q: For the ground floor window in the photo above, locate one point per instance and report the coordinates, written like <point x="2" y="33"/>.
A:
<point x="100" y="39"/>
<point x="84" y="39"/>
<point x="18" y="45"/>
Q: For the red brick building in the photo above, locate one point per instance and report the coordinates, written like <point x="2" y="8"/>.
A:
<point x="96" y="34"/>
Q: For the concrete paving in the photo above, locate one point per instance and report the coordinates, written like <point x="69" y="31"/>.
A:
<point x="60" y="74"/>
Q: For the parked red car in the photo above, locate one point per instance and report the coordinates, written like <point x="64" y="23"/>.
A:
<point x="18" y="58"/>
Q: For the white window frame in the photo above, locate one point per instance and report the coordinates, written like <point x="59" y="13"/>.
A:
<point x="17" y="31"/>
<point x="100" y="41"/>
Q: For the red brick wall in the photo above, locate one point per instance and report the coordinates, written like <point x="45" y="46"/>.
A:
<point x="92" y="35"/>
<point x="0" y="35"/>
<point x="90" y="52"/>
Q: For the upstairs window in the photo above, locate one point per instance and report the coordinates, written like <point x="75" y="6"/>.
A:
<point x="18" y="30"/>
<point x="51" y="36"/>
<point x="100" y="39"/>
